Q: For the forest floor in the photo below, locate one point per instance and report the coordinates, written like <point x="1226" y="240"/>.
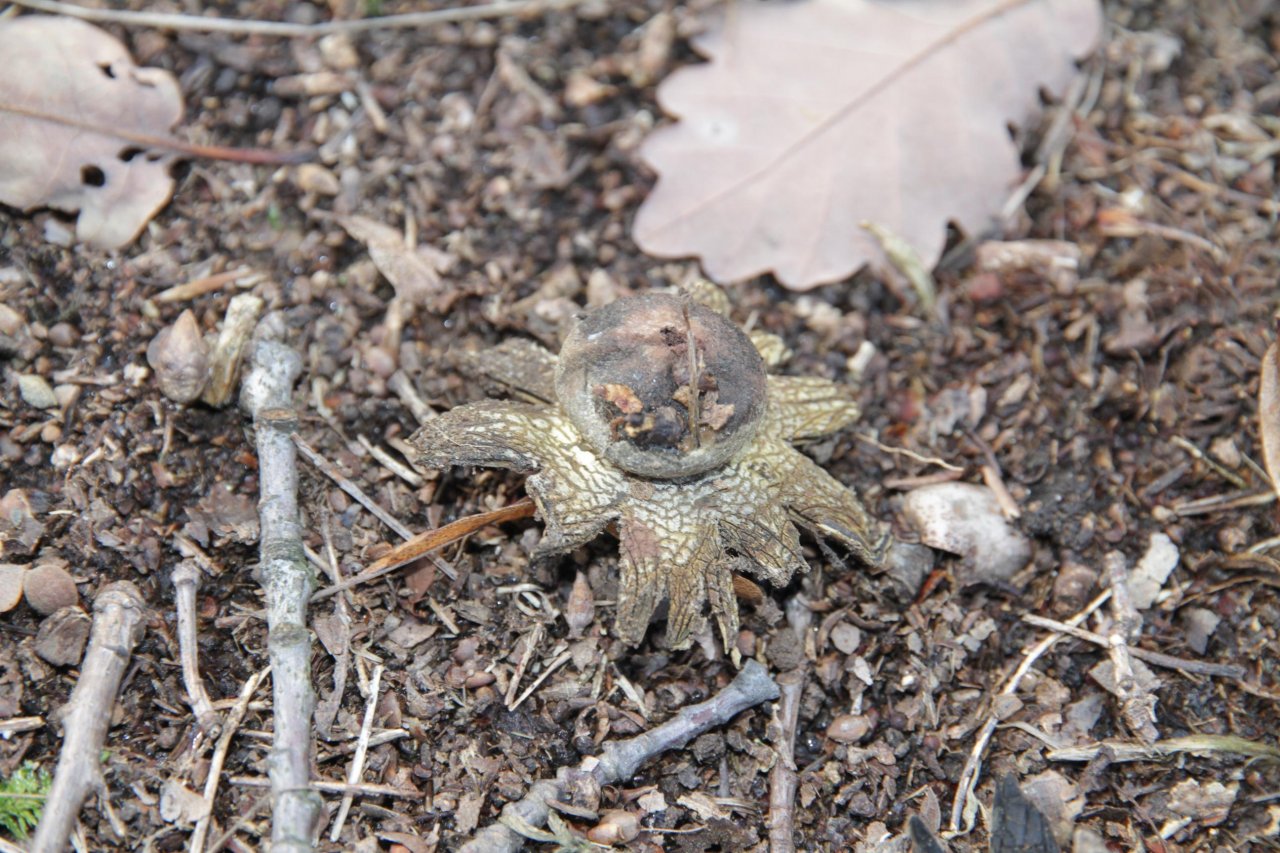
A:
<point x="1114" y="406"/>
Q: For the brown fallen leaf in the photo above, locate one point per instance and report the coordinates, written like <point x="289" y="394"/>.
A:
<point x="83" y="129"/>
<point x="1269" y="413"/>
<point x="73" y="71"/>
<point x="813" y="117"/>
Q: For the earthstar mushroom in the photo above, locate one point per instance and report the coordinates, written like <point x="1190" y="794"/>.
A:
<point x="658" y="414"/>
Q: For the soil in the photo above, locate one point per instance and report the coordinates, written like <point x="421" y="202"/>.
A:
<point x="1113" y="407"/>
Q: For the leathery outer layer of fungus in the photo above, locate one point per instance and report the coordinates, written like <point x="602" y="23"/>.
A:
<point x="659" y="415"/>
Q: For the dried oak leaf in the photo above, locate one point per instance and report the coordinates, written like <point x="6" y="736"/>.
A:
<point x="70" y="98"/>
<point x="815" y="117"/>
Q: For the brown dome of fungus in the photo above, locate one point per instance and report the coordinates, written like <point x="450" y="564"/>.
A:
<point x="661" y="386"/>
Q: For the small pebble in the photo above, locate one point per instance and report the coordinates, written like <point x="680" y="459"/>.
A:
<point x="615" y="827"/>
<point x="11" y="321"/>
<point x="48" y="588"/>
<point x="61" y="637"/>
<point x="849" y="728"/>
<point x="35" y="390"/>
<point x="63" y="335"/>
<point x="10" y="585"/>
<point x="846" y="638"/>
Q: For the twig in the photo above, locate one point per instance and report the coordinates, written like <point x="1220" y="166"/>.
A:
<point x="18" y="725"/>
<point x="288" y="581"/>
<point x="234" y="718"/>
<point x="395" y="466"/>
<point x="186" y="582"/>
<point x="364" y="789"/>
<point x="362" y="747"/>
<point x="783" y="778"/>
<point x="331" y="471"/>
<point x="1194" y="667"/>
<point x="118" y="614"/>
<point x="537" y="682"/>
<point x="201" y="24"/>
<point x="1137" y="705"/>
<point x="910" y="454"/>
<point x="1222" y="470"/>
<point x="403" y="388"/>
<point x="431" y="540"/>
<point x="619" y="760"/>
<point x="182" y="148"/>
<point x="969" y="776"/>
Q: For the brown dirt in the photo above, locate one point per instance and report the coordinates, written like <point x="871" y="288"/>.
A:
<point x="1096" y="403"/>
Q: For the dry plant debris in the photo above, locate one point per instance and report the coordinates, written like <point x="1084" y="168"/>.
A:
<point x="1104" y="362"/>
<point x="664" y="422"/>
<point x="70" y="100"/>
<point x="813" y="118"/>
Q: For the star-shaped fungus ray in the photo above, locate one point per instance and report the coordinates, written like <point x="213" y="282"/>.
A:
<point x="576" y="494"/>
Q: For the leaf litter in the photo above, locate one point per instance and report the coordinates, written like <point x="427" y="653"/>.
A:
<point x="1086" y="437"/>
<point x="78" y="160"/>
<point x="815" y="117"/>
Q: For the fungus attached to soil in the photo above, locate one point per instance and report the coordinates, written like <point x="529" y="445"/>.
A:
<point x="659" y="415"/>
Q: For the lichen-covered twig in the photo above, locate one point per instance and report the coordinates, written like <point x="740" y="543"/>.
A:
<point x="288" y="581"/>
<point x="619" y="760"/>
<point x="186" y="582"/>
<point x="118" y="614"/>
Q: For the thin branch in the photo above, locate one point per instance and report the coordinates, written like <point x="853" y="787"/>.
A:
<point x="186" y="582"/>
<point x="216" y="763"/>
<point x="182" y="148"/>
<point x="429" y="541"/>
<point x="203" y="24"/>
<point x="362" y="747"/>
<point x="1194" y="667"/>
<point x="1137" y="705"/>
<point x="619" y="760"/>
<point x="783" y="778"/>
<point x="331" y="471"/>
<point x="969" y="776"/>
<point x="288" y="581"/>
<point x="118" y="622"/>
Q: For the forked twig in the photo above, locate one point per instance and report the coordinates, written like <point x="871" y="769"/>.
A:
<point x="619" y="760"/>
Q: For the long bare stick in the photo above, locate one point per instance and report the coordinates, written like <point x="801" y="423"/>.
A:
<point x="118" y="614"/>
<point x="204" y="24"/>
<point x="288" y="581"/>
<point x="619" y="760"/>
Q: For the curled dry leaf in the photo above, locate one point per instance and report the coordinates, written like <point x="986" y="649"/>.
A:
<point x="1269" y="413"/>
<point x="70" y="98"/>
<point x="816" y="116"/>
